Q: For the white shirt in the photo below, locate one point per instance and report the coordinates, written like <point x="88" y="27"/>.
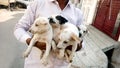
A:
<point x="45" y="8"/>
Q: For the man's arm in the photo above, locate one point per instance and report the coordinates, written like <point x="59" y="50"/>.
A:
<point x="21" y="28"/>
<point x="39" y="45"/>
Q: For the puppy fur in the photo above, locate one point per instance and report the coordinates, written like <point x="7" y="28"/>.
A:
<point x="56" y="21"/>
<point x="67" y="34"/>
<point x="42" y="32"/>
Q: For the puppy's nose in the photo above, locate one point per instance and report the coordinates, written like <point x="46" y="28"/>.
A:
<point x="84" y="31"/>
<point x="80" y="34"/>
<point x="29" y="30"/>
<point x="70" y="61"/>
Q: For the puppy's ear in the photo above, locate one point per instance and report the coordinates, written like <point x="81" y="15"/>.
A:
<point x="75" y="38"/>
<point x="51" y="20"/>
<point x="61" y="19"/>
<point x="79" y="32"/>
<point x="78" y="28"/>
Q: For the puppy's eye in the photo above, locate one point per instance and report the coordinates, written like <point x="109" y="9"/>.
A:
<point x="45" y="24"/>
<point x="36" y="24"/>
<point x="84" y="31"/>
<point x="65" y="42"/>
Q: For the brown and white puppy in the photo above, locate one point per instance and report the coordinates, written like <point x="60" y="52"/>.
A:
<point x="42" y="32"/>
<point x="67" y="34"/>
<point x="56" y="21"/>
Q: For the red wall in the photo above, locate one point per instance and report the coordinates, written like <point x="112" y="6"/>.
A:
<point x="102" y="20"/>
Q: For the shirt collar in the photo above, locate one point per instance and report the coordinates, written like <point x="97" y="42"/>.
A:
<point x="52" y="0"/>
<point x="69" y="2"/>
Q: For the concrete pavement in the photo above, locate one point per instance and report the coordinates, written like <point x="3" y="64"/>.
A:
<point x="10" y="49"/>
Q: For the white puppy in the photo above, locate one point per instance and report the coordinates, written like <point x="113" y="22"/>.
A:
<point x="67" y="34"/>
<point x="56" y="21"/>
<point x="42" y="32"/>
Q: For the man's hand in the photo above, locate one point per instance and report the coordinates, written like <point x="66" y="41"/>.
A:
<point x="40" y="45"/>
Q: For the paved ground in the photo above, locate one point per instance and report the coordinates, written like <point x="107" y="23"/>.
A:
<point x="10" y="49"/>
<point x="6" y="14"/>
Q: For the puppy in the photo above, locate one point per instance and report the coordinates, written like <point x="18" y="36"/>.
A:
<point x="42" y="32"/>
<point x="82" y="30"/>
<point x="67" y="34"/>
<point x="56" y="21"/>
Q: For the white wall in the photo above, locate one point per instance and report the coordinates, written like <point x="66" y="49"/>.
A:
<point x="88" y="8"/>
<point x="119" y="38"/>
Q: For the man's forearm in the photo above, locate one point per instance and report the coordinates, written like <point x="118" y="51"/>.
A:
<point x="40" y="45"/>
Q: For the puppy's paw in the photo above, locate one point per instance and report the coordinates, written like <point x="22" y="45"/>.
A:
<point x="70" y="59"/>
<point x="25" y="54"/>
<point x="44" y="61"/>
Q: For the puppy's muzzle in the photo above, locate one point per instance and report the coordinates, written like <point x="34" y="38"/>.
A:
<point x="80" y="34"/>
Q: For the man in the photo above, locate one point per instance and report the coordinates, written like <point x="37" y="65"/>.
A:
<point x="45" y="8"/>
